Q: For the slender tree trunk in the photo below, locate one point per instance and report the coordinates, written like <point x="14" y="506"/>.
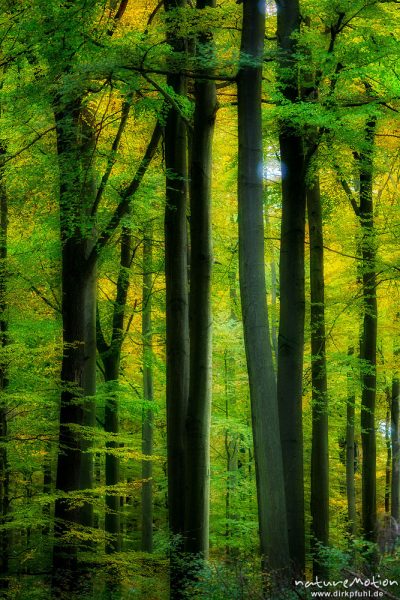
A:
<point x="4" y="464"/>
<point x="200" y="319"/>
<point x="112" y="467"/>
<point x="231" y="444"/>
<point x="110" y="355"/>
<point x="274" y="312"/>
<point x="350" y="457"/>
<point x="177" y="320"/>
<point x="231" y="438"/>
<point x="395" y="438"/>
<point x="370" y="319"/>
<point x="78" y="370"/>
<point x="47" y="489"/>
<point x="265" y="419"/>
<point x="319" y="448"/>
<point x="292" y="299"/>
<point x="388" y="465"/>
<point x="148" y="395"/>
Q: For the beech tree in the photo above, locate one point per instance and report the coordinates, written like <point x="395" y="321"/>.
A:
<point x="369" y="335"/>
<point x="319" y="450"/>
<point x="291" y="275"/>
<point x="264" y="408"/>
<point x="177" y="317"/>
<point x="148" y="391"/>
<point x="200" y="318"/>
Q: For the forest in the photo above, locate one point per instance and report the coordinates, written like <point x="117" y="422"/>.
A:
<point x="199" y="299"/>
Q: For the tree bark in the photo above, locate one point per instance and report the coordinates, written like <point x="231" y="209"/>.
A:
<point x="292" y="298"/>
<point x="177" y="320"/>
<point x="111" y="361"/>
<point x="369" y="336"/>
<point x="200" y="318"/>
<point x="265" y="419"/>
<point x="319" y="444"/>
<point x="110" y="355"/>
<point x="148" y="394"/>
<point x="78" y="371"/>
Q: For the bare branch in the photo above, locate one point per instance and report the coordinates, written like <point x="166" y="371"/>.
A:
<point x="29" y="145"/>
<point x="126" y="195"/>
<point x="118" y="16"/>
<point x="112" y="158"/>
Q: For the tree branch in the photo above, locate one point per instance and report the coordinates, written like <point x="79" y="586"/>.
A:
<point x="185" y="73"/>
<point x="102" y="346"/>
<point x="118" y="16"/>
<point x="29" y="145"/>
<point x="348" y="192"/>
<point x="112" y="158"/>
<point x="126" y="195"/>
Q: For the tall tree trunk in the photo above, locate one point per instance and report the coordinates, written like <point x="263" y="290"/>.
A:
<point x="388" y="465"/>
<point x="319" y="448"/>
<point x="292" y="298"/>
<point x="369" y="336"/>
<point x="200" y="319"/>
<point x="148" y="395"/>
<point x="4" y="464"/>
<point x="274" y="312"/>
<point x="110" y="355"/>
<point x="231" y="438"/>
<point x="350" y="455"/>
<point x="112" y="466"/>
<point x="231" y="444"/>
<point x="177" y="320"/>
<point x="265" y="419"/>
<point x="395" y="438"/>
<point x="47" y="489"/>
<point x="78" y="370"/>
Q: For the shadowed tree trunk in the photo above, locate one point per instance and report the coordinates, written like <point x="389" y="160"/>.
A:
<point x="75" y="143"/>
<point x="177" y="320"/>
<point x="292" y="300"/>
<point x="148" y="395"/>
<point x="110" y="355"/>
<point x="200" y="319"/>
<point x="319" y="448"/>
<point x="80" y="247"/>
<point x="265" y="420"/>
<point x="369" y="336"/>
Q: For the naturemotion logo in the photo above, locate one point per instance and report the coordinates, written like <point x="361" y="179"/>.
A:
<point x="354" y="587"/>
